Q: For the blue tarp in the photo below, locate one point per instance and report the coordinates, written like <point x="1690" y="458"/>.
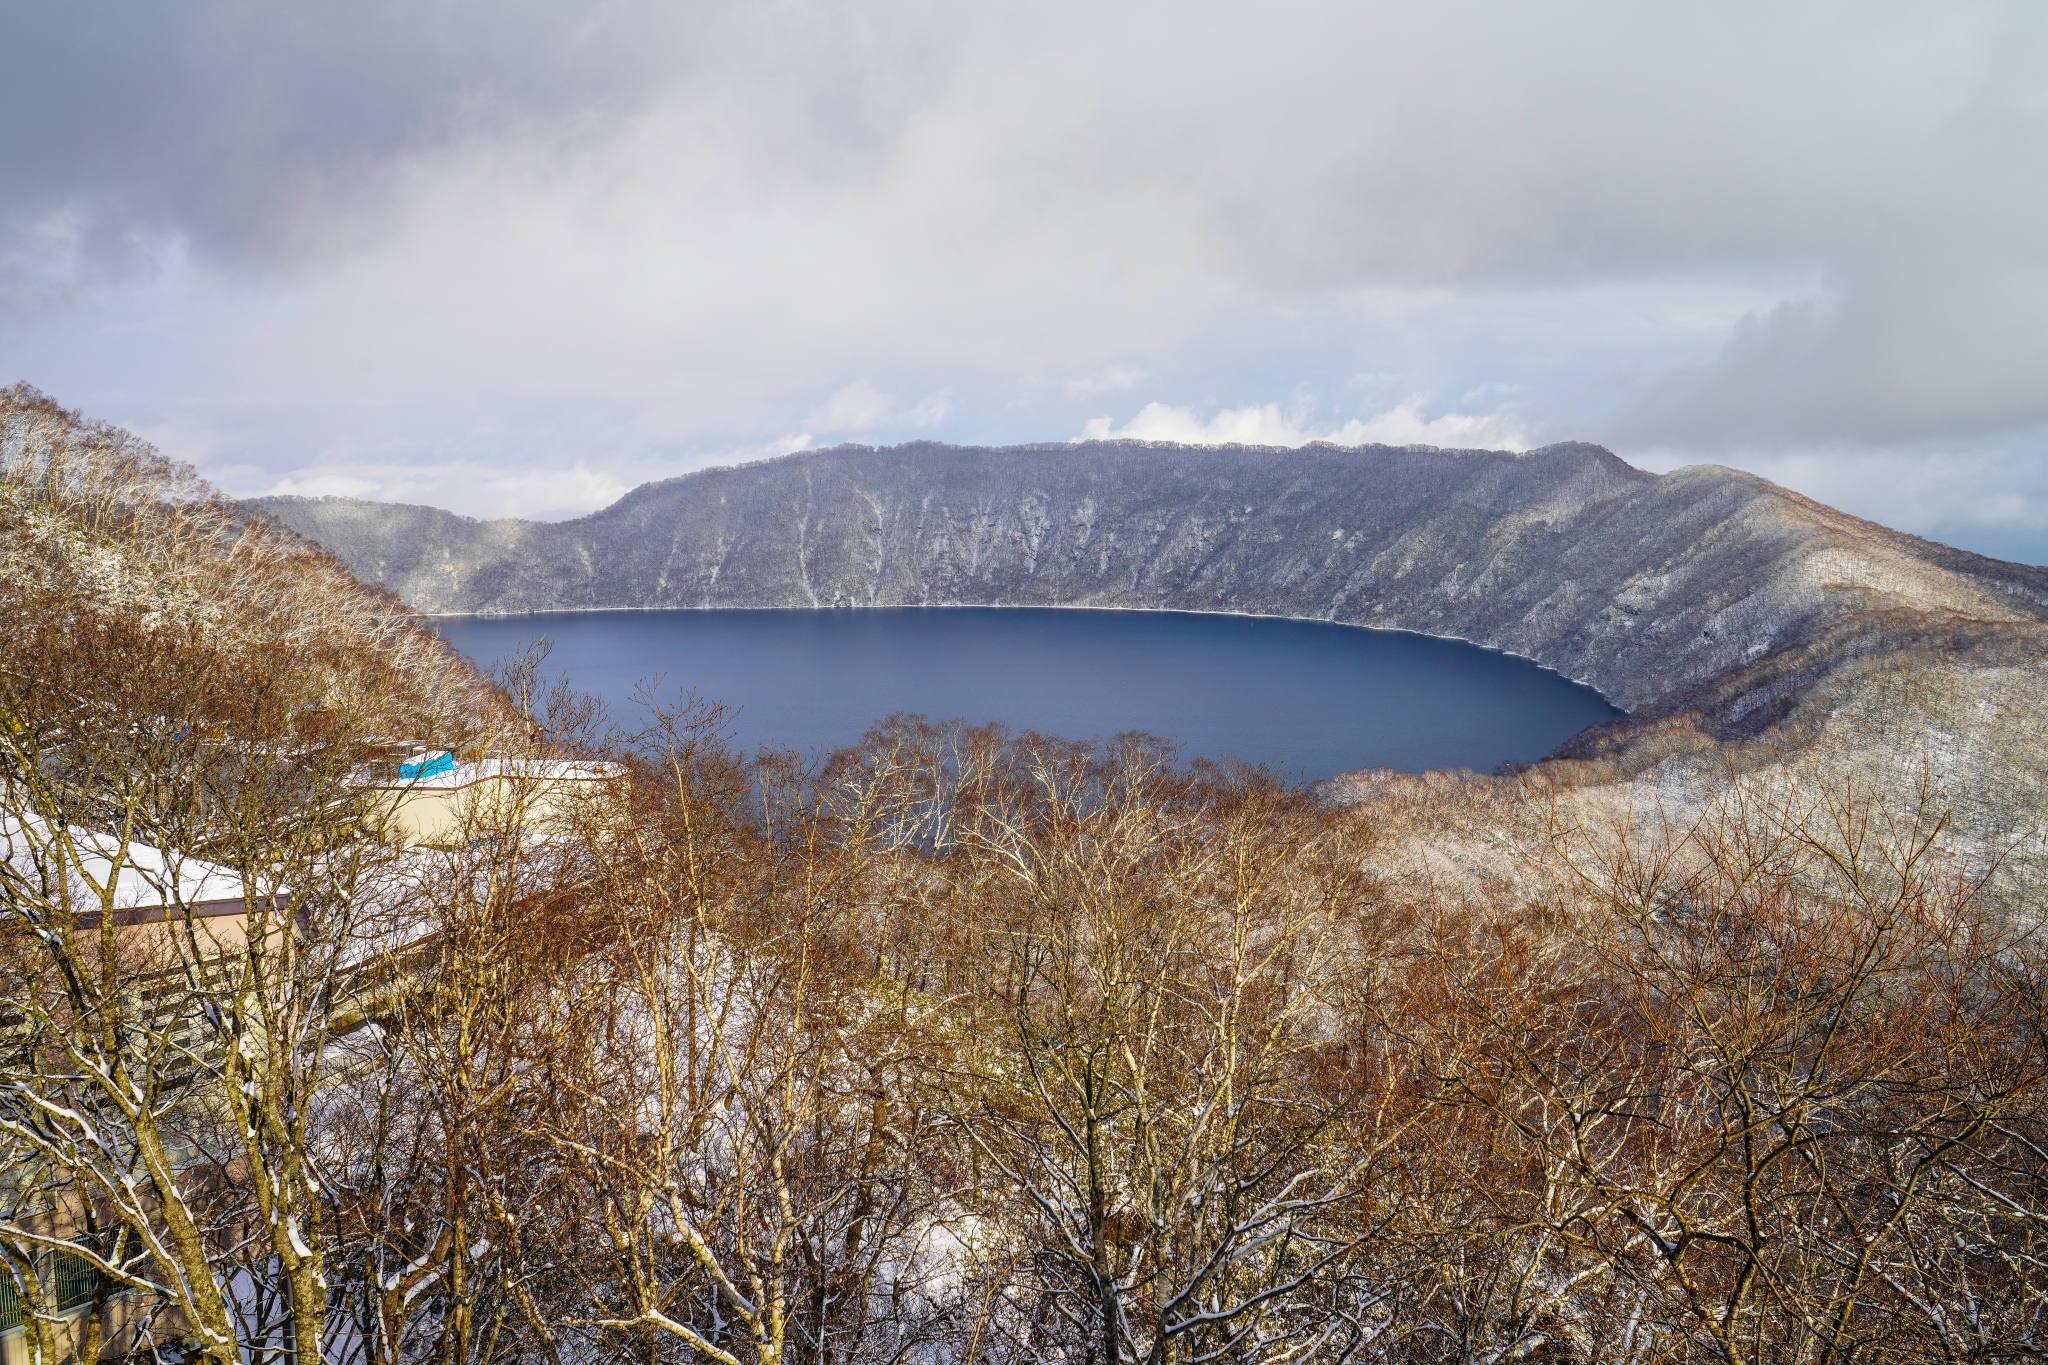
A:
<point x="427" y="765"/>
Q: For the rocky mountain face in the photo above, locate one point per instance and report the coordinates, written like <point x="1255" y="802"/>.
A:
<point x="1648" y="587"/>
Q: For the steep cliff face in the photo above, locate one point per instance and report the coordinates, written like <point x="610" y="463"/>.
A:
<point x="1645" y="586"/>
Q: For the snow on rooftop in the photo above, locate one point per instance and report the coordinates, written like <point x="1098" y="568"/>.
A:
<point x="146" y="878"/>
<point x="483" y="769"/>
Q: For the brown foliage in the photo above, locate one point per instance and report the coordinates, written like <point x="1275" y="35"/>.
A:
<point x="972" y="1046"/>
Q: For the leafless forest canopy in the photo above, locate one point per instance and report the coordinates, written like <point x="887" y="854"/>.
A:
<point x="956" y="1046"/>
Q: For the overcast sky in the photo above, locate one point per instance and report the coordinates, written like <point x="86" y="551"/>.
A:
<point x="516" y="258"/>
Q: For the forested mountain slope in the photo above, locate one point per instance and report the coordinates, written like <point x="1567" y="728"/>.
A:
<point x="106" y="544"/>
<point x="1642" y="585"/>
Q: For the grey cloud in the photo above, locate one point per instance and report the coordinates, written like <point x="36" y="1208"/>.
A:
<point x="1924" y="348"/>
<point x="1894" y="151"/>
<point x="1303" y="145"/>
<point x="255" y="134"/>
<point x="1930" y="321"/>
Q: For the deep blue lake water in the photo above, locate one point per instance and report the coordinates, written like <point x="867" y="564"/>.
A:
<point x="1310" y="699"/>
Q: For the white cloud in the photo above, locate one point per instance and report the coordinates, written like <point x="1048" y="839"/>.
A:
<point x="1404" y="424"/>
<point x="856" y="407"/>
<point x="323" y="486"/>
<point x="928" y="413"/>
<point x="860" y="406"/>
<point x="1254" y="426"/>
<point x="582" y="489"/>
<point x="1266" y="425"/>
<point x="1112" y="380"/>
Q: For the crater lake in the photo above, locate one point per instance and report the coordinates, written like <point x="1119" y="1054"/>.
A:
<point x="1308" y="698"/>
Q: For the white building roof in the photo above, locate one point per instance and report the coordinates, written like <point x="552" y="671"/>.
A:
<point x="483" y="769"/>
<point x="146" y="878"/>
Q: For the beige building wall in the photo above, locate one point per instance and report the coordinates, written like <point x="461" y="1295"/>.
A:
<point x="476" y="799"/>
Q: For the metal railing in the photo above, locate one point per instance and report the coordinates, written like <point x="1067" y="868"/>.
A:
<point x="74" y="1279"/>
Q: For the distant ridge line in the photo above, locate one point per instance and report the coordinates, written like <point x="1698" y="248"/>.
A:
<point x="1644" y="586"/>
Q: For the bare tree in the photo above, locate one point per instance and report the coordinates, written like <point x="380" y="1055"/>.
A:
<point x="1767" y="1087"/>
<point x="441" y="1190"/>
<point x="166" y="1056"/>
<point x="728" y="1112"/>
<point x="1156" y="1066"/>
